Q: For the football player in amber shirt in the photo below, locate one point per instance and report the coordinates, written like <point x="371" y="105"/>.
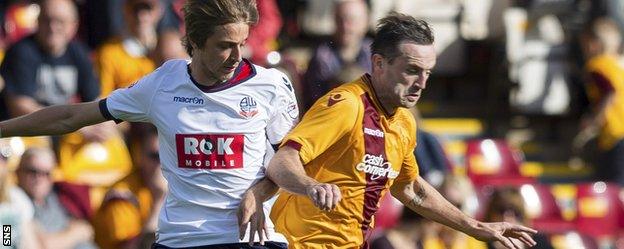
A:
<point x="356" y="142"/>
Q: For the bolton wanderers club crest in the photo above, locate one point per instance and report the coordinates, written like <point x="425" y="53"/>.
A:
<point x="248" y="107"/>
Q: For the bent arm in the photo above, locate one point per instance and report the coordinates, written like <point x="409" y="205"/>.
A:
<point x="286" y="170"/>
<point x="53" y="120"/>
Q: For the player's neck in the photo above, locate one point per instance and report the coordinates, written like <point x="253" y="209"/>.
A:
<point x="383" y="101"/>
<point x="202" y="77"/>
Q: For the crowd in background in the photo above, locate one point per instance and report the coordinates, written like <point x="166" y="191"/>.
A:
<point x="523" y="119"/>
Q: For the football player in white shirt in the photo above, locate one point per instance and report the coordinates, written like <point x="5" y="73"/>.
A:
<point x="217" y="117"/>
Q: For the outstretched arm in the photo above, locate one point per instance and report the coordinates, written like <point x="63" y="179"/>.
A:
<point x="286" y="170"/>
<point x="425" y="200"/>
<point x="53" y="120"/>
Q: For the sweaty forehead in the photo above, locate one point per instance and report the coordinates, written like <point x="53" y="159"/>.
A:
<point x="423" y="56"/>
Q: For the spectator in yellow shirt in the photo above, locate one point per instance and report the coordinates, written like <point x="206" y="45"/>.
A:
<point x="123" y="60"/>
<point x="605" y="89"/>
<point x="129" y="214"/>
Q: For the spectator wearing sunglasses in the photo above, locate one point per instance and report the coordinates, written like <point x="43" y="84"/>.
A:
<point x="59" y="219"/>
<point x="16" y="210"/>
<point x="129" y="213"/>
<point x="123" y="60"/>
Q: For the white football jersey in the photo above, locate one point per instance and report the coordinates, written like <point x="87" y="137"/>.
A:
<point x="213" y="143"/>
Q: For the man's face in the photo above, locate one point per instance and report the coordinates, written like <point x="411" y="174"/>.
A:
<point x="351" y="20"/>
<point x="34" y="176"/>
<point x="221" y="53"/>
<point x="57" y="25"/>
<point x="403" y="79"/>
<point x="142" y="16"/>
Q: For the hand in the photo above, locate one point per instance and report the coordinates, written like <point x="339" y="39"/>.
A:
<point x="505" y="233"/>
<point x="324" y="196"/>
<point x="250" y="212"/>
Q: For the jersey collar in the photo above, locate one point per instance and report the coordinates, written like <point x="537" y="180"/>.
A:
<point x="366" y="78"/>
<point x="243" y="72"/>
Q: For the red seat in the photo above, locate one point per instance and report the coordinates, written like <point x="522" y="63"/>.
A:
<point x="389" y="212"/>
<point x="387" y="216"/>
<point x="494" y="162"/>
<point x="599" y="209"/>
<point x="542" y="209"/>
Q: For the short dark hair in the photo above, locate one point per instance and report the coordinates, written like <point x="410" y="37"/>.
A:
<point x="396" y="28"/>
<point x="201" y="17"/>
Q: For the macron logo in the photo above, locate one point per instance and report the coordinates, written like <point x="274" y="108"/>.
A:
<point x="193" y="100"/>
<point x="375" y="132"/>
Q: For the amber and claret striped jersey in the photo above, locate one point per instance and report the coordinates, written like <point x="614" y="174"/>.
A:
<point x="346" y="139"/>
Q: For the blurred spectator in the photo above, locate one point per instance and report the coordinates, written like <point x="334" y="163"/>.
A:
<point x="49" y="68"/>
<point x="432" y="161"/>
<point x="263" y="35"/>
<point x="101" y="20"/>
<point x="169" y="47"/>
<point x="537" y="52"/>
<point x="16" y="209"/>
<point x="315" y="18"/>
<point x="129" y="214"/>
<point x="406" y="234"/>
<point x="459" y="191"/>
<point x="605" y="88"/>
<point x="413" y="231"/>
<point x="55" y="224"/>
<point x="123" y="60"/>
<point x="506" y="204"/>
<point x="348" y="47"/>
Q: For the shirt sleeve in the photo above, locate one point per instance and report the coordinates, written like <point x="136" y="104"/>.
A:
<point x="286" y="111"/>
<point x="329" y="119"/>
<point x="133" y="103"/>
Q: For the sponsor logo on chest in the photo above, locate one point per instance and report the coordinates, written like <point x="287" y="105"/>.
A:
<point x="377" y="166"/>
<point x="373" y="132"/>
<point x="210" y="151"/>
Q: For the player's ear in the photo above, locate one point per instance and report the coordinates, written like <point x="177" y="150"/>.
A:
<point x="378" y="61"/>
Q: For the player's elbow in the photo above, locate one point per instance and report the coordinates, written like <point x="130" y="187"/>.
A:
<point x="399" y="191"/>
